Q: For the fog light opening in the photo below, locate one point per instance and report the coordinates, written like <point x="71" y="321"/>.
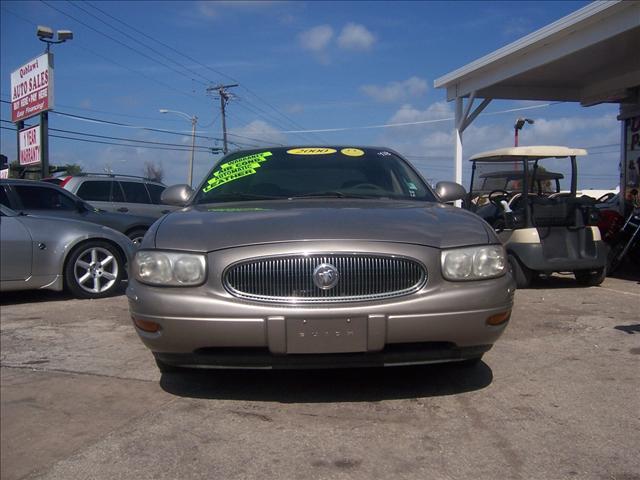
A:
<point x="499" y="318"/>
<point x="146" y="325"/>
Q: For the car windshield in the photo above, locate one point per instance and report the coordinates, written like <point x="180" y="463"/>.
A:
<point x="508" y="176"/>
<point x="312" y="172"/>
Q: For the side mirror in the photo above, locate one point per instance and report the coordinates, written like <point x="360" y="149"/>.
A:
<point x="178" y="195"/>
<point x="450" y="191"/>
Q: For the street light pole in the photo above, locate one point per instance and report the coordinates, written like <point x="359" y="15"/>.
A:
<point x="45" y="34"/>
<point x="194" y="122"/>
<point x="518" y="126"/>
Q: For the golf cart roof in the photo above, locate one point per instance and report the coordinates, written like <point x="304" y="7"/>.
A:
<point x="517" y="174"/>
<point x="531" y="153"/>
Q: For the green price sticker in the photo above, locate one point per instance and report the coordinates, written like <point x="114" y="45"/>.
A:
<point x="235" y="169"/>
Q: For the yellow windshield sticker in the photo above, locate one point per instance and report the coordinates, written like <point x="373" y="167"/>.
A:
<point x="235" y="169"/>
<point x="352" y="152"/>
<point x="311" y="151"/>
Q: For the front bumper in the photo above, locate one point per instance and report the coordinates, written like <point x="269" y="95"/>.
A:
<point x="262" y="358"/>
<point x="206" y="326"/>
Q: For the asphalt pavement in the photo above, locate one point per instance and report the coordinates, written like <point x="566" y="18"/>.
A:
<point x="558" y="397"/>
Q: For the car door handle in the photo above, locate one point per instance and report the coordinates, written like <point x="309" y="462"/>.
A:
<point x="165" y="211"/>
<point x="123" y="209"/>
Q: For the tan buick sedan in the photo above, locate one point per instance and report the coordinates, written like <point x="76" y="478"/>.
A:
<point x="318" y="257"/>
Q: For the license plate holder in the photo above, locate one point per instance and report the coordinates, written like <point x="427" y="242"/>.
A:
<point x="326" y="335"/>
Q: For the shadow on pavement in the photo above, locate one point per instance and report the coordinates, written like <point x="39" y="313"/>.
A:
<point x="628" y="271"/>
<point x="38" y="296"/>
<point x="320" y="386"/>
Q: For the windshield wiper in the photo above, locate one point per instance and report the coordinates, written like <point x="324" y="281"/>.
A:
<point x="232" y="197"/>
<point x="330" y="194"/>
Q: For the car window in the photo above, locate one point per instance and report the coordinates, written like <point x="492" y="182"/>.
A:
<point x="95" y="190"/>
<point x="283" y="173"/>
<point x="134" y="192"/>
<point x="116" y="193"/>
<point x="38" y="198"/>
<point x="4" y="198"/>
<point x="155" y="191"/>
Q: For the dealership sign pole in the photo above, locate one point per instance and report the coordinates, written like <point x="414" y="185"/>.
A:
<point x="31" y="95"/>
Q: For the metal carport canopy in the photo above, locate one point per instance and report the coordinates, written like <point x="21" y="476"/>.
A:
<point x="590" y="56"/>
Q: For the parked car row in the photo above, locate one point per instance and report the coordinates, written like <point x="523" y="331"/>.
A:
<point x="53" y="239"/>
<point x="41" y="198"/>
<point x="315" y="256"/>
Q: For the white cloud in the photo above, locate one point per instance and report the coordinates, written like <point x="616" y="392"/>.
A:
<point x="431" y="148"/>
<point x="257" y="132"/>
<point x="435" y="111"/>
<point x="317" y="38"/>
<point x="356" y="37"/>
<point x="207" y="9"/>
<point x="213" y="9"/>
<point x="396" y="91"/>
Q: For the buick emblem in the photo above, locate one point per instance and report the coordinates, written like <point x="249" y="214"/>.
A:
<point x="326" y="276"/>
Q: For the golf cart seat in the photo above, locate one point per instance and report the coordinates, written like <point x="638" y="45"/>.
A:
<point x="562" y="211"/>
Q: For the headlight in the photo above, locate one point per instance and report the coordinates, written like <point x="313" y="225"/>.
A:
<point x="169" y="268"/>
<point x="474" y="263"/>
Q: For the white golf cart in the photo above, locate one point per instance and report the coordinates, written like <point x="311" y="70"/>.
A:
<point x="517" y="191"/>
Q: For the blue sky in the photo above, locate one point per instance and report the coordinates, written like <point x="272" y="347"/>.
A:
<point x="300" y="66"/>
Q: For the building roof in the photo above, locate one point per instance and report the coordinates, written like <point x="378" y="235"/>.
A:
<point x="590" y="56"/>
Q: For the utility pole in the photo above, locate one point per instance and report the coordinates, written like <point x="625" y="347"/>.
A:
<point x="224" y="98"/>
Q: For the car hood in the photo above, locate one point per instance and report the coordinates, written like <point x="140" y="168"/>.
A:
<point x="217" y="226"/>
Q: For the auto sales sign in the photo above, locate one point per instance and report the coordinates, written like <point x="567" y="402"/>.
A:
<point x="32" y="88"/>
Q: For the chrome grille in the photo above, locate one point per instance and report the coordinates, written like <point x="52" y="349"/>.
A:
<point x="290" y="278"/>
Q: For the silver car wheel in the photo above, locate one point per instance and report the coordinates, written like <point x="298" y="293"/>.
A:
<point x="95" y="270"/>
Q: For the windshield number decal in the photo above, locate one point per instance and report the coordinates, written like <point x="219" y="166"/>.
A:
<point x="311" y="151"/>
<point x="235" y="169"/>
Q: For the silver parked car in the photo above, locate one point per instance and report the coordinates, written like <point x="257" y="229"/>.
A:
<point x="40" y="198"/>
<point x="39" y="252"/>
<point x="118" y="193"/>
<point x="307" y="257"/>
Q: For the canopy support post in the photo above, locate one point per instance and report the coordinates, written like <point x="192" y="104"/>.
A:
<point x="463" y="118"/>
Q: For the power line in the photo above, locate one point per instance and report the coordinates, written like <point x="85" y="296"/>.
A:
<point x="182" y="54"/>
<point x="140" y="117"/>
<point x="160" y="54"/>
<point x="119" y="42"/>
<point x="118" y="124"/>
<point x="186" y="149"/>
<point x="97" y="54"/>
<point x="263" y="140"/>
<point x="135" y="140"/>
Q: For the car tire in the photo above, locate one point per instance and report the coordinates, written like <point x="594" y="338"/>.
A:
<point x="521" y="274"/>
<point x="94" y="269"/>
<point x="136" y="235"/>
<point x="591" y="278"/>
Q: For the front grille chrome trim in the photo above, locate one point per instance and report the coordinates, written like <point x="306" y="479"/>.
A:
<point x="287" y="279"/>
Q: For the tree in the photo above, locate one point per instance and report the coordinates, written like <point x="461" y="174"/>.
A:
<point x="70" y="168"/>
<point x="153" y="171"/>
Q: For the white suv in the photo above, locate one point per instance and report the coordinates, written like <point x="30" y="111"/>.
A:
<point x="119" y="193"/>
